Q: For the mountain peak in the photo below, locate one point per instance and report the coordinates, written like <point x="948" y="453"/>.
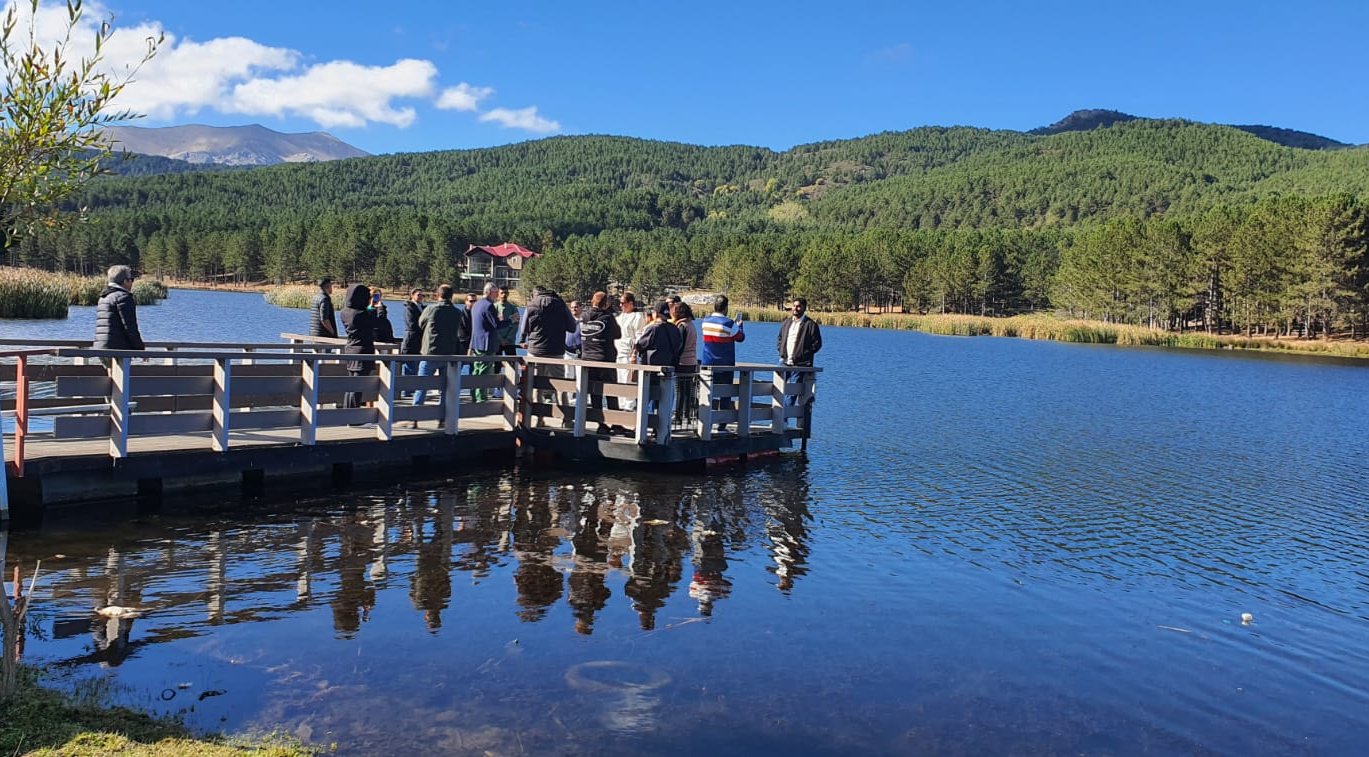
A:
<point x="1085" y="120"/>
<point x="248" y="145"/>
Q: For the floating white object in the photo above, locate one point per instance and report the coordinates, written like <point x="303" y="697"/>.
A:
<point x="1246" y="618"/>
<point x="115" y="611"/>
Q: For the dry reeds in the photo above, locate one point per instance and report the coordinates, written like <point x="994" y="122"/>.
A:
<point x="298" y="296"/>
<point x="1061" y="330"/>
<point x="32" y="293"/>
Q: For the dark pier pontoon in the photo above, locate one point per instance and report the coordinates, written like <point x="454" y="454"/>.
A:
<point x="208" y="416"/>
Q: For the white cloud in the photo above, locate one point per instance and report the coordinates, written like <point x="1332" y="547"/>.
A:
<point x="463" y="97"/>
<point x="522" y="118"/>
<point x="340" y="93"/>
<point x="241" y="76"/>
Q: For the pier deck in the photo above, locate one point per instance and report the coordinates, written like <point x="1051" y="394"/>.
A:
<point x="255" y="416"/>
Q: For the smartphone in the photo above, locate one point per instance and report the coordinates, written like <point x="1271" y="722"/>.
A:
<point x="738" y="317"/>
<point x="375" y="299"/>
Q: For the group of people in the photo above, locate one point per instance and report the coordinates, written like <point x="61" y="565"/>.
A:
<point x="661" y="335"/>
<point x="486" y="326"/>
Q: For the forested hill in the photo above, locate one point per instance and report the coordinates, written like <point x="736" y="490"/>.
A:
<point x="538" y="192"/>
<point x="650" y="214"/>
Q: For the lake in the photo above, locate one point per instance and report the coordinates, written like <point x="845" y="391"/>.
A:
<point x="992" y="546"/>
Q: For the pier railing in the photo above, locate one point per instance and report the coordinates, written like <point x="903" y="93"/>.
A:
<point x="750" y="398"/>
<point x="214" y="391"/>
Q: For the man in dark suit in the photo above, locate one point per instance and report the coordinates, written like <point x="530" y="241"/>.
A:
<point x="484" y="336"/>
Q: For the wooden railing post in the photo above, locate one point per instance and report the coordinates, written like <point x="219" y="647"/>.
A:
<point x="385" y="401"/>
<point x="510" y="399"/>
<point x="581" y="399"/>
<point x="706" y="404"/>
<point x="223" y="404"/>
<point x="119" y="379"/>
<point x="453" y="397"/>
<point x="4" y="499"/>
<point x="743" y="402"/>
<point x="665" y="408"/>
<point x="777" y="402"/>
<point x="21" y="414"/>
<point x="308" y="401"/>
<point x="642" y="431"/>
<point x="525" y="393"/>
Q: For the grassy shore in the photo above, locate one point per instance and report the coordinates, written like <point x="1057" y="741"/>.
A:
<point x="39" y="721"/>
<point x="1061" y="330"/>
<point x="31" y="293"/>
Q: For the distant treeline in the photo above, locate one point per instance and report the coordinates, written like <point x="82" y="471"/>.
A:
<point x="1168" y="223"/>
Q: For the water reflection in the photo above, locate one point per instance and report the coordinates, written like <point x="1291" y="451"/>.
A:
<point x="581" y="543"/>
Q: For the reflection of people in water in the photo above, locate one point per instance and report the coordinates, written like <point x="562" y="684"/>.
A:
<point x="786" y="525"/>
<point x="113" y="642"/>
<point x="655" y="569"/>
<point x="431" y="589"/>
<point x="355" y="596"/>
<point x="113" y="637"/>
<point x="539" y="583"/>
<point x="588" y="591"/>
<point x="709" y="556"/>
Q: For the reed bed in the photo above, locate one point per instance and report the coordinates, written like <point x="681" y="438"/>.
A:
<point x="1061" y="330"/>
<point x="298" y="296"/>
<point x="31" y="293"/>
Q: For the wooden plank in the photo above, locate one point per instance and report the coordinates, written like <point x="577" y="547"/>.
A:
<point x="148" y="386"/>
<point x="421" y="413"/>
<point x="551" y="384"/>
<point x="487" y="381"/>
<point x="80" y="426"/>
<point x="334" y="417"/>
<point x="777" y="387"/>
<point x="252" y="386"/>
<point x="721" y="417"/>
<point x="614" y="389"/>
<point x="164" y="424"/>
<point x="83" y="386"/>
<point x="486" y="409"/>
<point x="367" y="385"/>
<point x="721" y="391"/>
<point x="261" y="419"/>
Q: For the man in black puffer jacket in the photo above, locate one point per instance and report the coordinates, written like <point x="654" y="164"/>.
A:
<point x="547" y="321"/>
<point x="116" y="316"/>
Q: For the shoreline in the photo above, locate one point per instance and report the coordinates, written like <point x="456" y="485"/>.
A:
<point x="1050" y="328"/>
<point x="41" y="720"/>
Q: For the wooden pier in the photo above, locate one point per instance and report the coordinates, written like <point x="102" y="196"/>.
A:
<point x="254" y="416"/>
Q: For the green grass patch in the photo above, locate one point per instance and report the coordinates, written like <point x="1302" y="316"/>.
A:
<point x="39" y="721"/>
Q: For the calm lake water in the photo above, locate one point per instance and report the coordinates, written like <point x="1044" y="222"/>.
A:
<point x="993" y="546"/>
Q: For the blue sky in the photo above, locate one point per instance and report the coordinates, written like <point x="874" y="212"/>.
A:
<point x="763" y="73"/>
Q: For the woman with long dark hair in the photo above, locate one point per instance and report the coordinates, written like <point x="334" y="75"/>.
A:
<point x="360" y="323"/>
